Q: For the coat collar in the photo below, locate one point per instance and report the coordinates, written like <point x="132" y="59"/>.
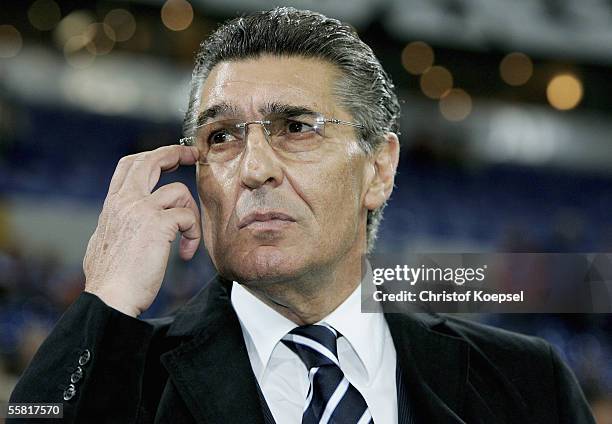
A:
<point x="211" y="368"/>
<point x="434" y="366"/>
<point x="206" y="308"/>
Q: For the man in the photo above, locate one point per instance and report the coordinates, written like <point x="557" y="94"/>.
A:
<point x="292" y="127"/>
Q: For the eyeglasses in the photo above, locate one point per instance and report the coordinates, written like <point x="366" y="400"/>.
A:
<point x="223" y="140"/>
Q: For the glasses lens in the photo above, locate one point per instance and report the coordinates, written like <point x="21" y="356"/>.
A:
<point x="224" y="140"/>
<point x="296" y="134"/>
<point x="220" y="141"/>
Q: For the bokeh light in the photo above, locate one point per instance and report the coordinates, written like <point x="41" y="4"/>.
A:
<point x="75" y="24"/>
<point x="516" y="69"/>
<point x="456" y="105"/>
<point x="122" y="23"/>
<point x="76" y="52"/>
<point x="101" y="38"/>
<point x="564" y="92"/>
<point x="44" y="14"/>
<point x="436" y="81"/>
<point x="10" y="41"/>
<point x="417" y="57"/>
<point x="177" y="15"/>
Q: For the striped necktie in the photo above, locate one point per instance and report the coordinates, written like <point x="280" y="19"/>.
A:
<point x="331" y="398"/>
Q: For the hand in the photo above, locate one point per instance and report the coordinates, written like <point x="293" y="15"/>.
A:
<point x="127" y="254"/>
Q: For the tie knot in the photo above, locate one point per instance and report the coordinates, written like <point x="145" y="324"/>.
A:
<point x="315" y="344"/>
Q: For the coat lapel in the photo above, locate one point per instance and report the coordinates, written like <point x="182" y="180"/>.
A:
<point x="434" y="368"/>
<point x="211" y="369"/>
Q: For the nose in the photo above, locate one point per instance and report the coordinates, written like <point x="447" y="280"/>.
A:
<point x="259" y="164"/>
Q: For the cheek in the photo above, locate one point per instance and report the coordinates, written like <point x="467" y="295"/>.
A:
<point x="336" y="191"/>
<point x="350" y="179"/>
<point x="214" y="194"/>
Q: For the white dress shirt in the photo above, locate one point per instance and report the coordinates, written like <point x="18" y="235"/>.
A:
<point x="366" y="354"/>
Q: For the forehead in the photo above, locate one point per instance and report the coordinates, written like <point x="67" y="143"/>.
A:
<point x="248" y="84"/>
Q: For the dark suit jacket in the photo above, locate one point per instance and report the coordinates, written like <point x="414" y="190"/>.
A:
<point x="194" y="367"/>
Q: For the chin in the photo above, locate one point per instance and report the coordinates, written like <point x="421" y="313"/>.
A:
<point x="266" y="265"/>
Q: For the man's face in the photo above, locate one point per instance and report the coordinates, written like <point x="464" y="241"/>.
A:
<point x="316" y="198"/>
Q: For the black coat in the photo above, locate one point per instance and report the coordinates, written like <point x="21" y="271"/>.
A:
<point x="194" y="367"/>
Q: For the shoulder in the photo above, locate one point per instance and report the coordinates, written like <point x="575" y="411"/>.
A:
<point x="492" y="354"/>
<point x="530" y="364"/>
<point x="495" y="357"/>
<point x="494" y="350"/>
<point x="487" y="337"/>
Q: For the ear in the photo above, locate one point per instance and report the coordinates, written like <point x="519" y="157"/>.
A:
<point x="384" y="161"/>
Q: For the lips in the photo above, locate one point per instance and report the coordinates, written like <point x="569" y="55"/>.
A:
<point x="263" y="217"/>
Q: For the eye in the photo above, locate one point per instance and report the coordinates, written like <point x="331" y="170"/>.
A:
<point x="220" y="137"/>
<point x="298" y="127"/>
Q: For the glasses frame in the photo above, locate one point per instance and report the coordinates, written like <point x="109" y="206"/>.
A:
<point x="190" y="140"/>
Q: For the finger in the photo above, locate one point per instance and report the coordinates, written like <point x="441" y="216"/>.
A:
<point x="123" y="166"/>
<point x="187" y="223"/>
<point x="147" y="167"/>
<point x="174" y="195"/>
<point x="88" y="253"/>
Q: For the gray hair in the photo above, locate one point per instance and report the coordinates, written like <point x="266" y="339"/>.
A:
<point x="364" y="89"/>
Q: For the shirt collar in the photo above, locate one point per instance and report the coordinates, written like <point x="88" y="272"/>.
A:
<point x="264" y="325"/>
<point x="363" y="331"/>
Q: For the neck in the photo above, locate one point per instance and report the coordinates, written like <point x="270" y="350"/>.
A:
<point x="311" y="297"/>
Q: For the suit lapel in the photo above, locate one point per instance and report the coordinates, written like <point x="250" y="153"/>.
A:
<point x="434" y="368"/>
<point x="211" y="370"/>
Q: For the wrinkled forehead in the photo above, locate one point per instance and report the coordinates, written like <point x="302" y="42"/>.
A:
<point x="249" y="85"/>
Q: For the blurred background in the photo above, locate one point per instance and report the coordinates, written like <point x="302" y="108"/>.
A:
<point x="506" y="130"/>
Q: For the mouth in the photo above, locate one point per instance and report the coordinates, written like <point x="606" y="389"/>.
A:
<point x="265" y="220"/>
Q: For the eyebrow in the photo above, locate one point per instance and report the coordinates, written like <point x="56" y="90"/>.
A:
<point x="274" y="108"/>
<point x="215" y="111"/>
<point x="286" y="110"/>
